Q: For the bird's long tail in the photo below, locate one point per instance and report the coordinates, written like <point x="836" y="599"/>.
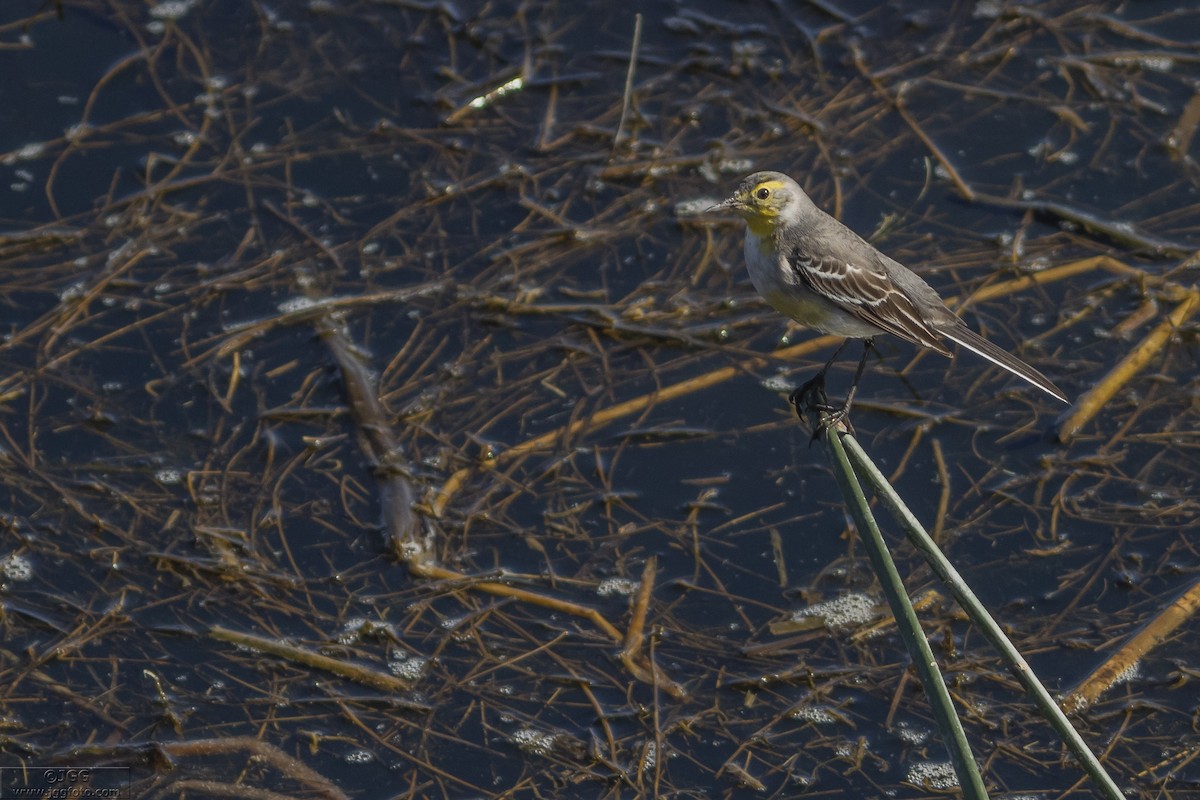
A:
<point x="980" y="346"/>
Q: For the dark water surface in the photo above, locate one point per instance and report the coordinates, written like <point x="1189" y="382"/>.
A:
<point x="513" y="247"/>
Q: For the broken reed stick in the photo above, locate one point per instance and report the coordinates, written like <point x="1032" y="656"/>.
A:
<point x="316" y="784"/>
<point x="289" y="652"/>
<point x="1047" y="276"/>
<point x="642" y="666"/>
<point x="637" y="623"/>
<point x="388" y="461"/>
<point x="1134" y="362"/>
<point x="637" y="665"/>
<point x="424" y="570"/>
<point x="896" y="101"/>
<point x="627" y="95"/>
<point x="1154" y="632"/>
<point x="1122" y="233"/>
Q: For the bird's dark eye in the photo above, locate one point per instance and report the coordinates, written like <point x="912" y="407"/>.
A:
<point x="763" y="194"/>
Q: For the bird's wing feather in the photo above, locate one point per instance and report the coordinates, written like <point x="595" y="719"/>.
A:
<point x="860" y="285"/>
<point x="977" y="344"/>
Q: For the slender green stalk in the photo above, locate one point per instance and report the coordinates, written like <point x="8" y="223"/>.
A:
<point x="955" y="738"/>
<point x="866" y="469"/>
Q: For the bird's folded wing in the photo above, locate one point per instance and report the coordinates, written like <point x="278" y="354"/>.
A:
<point x="863" y="288"/>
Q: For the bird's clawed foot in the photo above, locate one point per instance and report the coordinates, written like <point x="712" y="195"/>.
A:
<point x="810" y="398"/>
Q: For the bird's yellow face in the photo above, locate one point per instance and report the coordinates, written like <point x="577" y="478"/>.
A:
<point x="760" y="202"/>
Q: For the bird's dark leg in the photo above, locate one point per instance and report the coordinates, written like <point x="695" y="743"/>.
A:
<point x="815" y="386"/>
<point x="862" y="363"/>
<point x="811" y="395"/>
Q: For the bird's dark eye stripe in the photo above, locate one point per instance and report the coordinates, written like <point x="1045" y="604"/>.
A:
<point x="763" y="193"/>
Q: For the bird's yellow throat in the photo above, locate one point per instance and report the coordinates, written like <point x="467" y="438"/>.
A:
<point x="761" y="225"/>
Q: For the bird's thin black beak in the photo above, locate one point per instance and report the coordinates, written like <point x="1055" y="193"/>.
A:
<point x="729" y="202"/>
